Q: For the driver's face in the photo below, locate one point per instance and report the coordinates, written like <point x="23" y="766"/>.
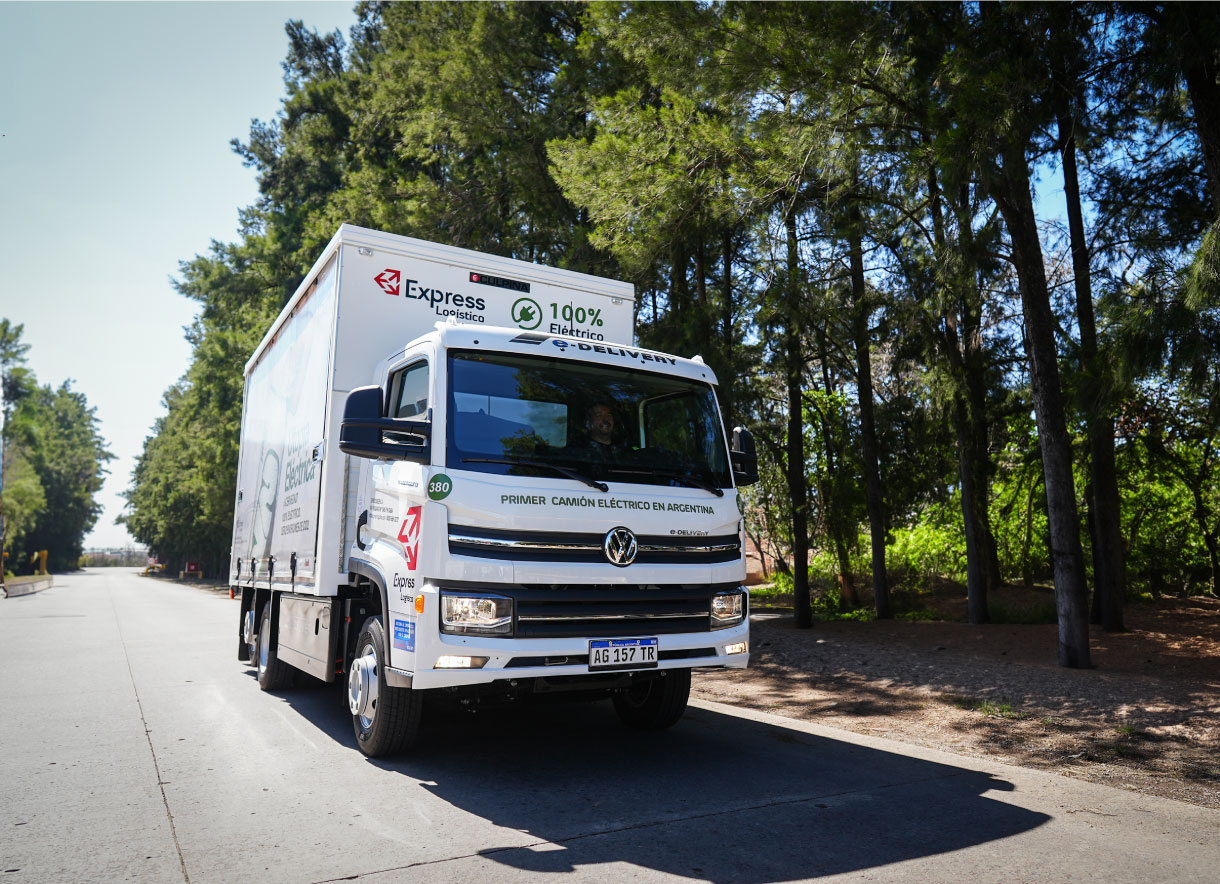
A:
<point x="601" y="424"/>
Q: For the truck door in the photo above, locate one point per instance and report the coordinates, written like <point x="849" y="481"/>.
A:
<point x="396" y="511"/>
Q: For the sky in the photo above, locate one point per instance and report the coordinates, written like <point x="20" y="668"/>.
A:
<point x="115" y="165"/>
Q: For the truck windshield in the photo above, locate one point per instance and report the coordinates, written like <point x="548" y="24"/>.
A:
<point x="534" y="416"/>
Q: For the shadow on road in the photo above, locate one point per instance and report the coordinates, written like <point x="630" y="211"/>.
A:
<point x="717" y="797"/>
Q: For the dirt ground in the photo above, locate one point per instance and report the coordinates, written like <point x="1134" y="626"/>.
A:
<point x="1146" y="717"/>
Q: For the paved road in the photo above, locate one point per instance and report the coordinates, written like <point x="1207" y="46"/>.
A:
<point x="134" y="747"/>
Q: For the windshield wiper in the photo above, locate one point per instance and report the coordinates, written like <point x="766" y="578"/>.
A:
<point x="688" y="478"/>
<point x="524" y="462"/>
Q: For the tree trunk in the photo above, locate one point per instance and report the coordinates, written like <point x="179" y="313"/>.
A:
<point x="726" y="332"/>
<point x="1209" y="535"/>
<point x="679" y="288"/>
<point x="795" y="466"/>
<point x="836" y="530"/>
<point x="1194" y="33"/>
<point x="1012" y="195"/>
<point x="976" y="556"/>
<point x="1027" y="574"/>
<point x="756" y="539"/>
<point x="969" y="401"/>
<point x="868" y="428"/>
<point x="702" y="317"/>
<point x="1109" y="570"/>
<point x="974" y="374"/>
<point x="848" y="601"/>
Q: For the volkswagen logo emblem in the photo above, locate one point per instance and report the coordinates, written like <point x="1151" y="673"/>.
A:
<point x="620" y="547"/>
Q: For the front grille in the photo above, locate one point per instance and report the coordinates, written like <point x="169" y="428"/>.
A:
<point x="612" y="611"/>
<point x="602" y="610"/>
<point x="553" y="546"/>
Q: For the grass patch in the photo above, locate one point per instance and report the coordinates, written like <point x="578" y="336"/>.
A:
<point x="989" y="708"/>
<point x="861" y="615"/>
<point x="919" y="614"/>
<point x="1026" y="615"/>
<point x="768" y="592"/>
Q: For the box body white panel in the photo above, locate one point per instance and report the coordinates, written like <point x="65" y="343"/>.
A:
<point x="368" y="295"/>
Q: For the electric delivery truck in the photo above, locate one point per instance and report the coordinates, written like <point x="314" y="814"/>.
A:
<point x="460" y="478"/>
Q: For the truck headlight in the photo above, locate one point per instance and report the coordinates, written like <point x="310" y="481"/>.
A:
<point x="727" y="609"/>
<point x="482" y="614"/>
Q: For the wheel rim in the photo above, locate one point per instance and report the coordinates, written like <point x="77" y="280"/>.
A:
<point x="363" y="686"/>
<point x="248" y="633"/>
<point x="264" y="644"/>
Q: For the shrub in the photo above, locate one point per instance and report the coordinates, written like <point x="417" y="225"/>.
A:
<point x="926" y="550"/>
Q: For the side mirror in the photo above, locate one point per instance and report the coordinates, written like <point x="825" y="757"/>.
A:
<point x="744" y="457"/>
<point x="365" y="433"/>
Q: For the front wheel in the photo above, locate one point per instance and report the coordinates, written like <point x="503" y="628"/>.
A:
<point x="657" y="703"/>
<point x="385" y="719"/>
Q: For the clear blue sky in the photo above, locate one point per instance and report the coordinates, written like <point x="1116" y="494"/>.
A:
<point x="114" y="166"/>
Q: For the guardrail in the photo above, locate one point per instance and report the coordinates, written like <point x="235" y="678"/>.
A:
<point x="27" y="586"/>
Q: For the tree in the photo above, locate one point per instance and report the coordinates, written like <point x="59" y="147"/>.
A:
<point x="54" y="460"/>
<point x="1069" y="56"/>
<point x="14" y="382"/>
<point x="24" y="498"/>
<point x="1001" y="94"/>
<point x="58" y="430"/>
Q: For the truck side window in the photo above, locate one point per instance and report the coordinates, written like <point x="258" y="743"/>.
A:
<point x="409" y="391"/>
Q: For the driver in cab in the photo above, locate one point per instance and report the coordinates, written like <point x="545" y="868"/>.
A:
<point x="599" y="427"/>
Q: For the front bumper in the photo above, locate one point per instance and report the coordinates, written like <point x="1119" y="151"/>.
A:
<point x="514" y="658"/>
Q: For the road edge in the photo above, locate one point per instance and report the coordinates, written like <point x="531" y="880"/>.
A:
<point x="12" y="590"/>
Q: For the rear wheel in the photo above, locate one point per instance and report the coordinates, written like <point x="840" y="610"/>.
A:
<point x="657" y="703"/>
<point x="273" y="675"/>
<point x="385" y="719"/>
<point x="247" y="642"/>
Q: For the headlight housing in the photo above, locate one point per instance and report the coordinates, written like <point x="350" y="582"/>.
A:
<point x="728" y="609"/>
<point x="476" y="614"/>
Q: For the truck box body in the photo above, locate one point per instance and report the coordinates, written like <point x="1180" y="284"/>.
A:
<point x="491" y="528"/>
<point x="367" y="296"/>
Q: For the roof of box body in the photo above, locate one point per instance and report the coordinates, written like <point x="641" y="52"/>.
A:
<point x="454" y="336"/>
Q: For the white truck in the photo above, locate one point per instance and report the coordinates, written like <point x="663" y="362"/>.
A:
<point x="460" y="479"/>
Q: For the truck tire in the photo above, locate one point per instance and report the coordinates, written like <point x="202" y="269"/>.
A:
<point x="385" y="719"/>
<point x="247" y="650"/>
<point x="273" y="675"/>
<point x="655" y="704"/>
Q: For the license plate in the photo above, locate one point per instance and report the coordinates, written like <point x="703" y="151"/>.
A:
<point x="622" y="653"/>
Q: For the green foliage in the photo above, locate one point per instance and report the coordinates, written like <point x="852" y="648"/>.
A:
<point x="180" y="502"/>
<point x="1202" y="289"/>
<point x="54" y="462"/>
<point x="932" y="548"/>
<point x="826" y="604"/>
<point x="24" y="497"/>
<point x="1018" y="502"/>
